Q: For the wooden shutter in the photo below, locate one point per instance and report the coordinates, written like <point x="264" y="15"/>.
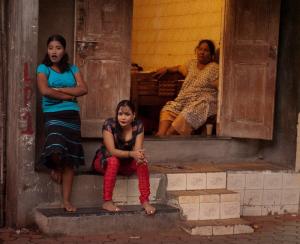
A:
<point x="103" y="38"/>
<point x="249" y="68"/>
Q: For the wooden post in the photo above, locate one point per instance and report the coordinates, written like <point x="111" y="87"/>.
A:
<point x="3" y="97"/>
<point x="22" y="55"/>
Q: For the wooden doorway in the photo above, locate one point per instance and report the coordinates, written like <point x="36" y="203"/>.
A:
<point x="102" y="52"/>
<point x="248" y="43"/>
<point x="165" y="34"/>
<point x="249" y="64"/>
<point x="3" y="104"/>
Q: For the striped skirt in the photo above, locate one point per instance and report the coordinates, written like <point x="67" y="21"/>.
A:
<point x="63" y="140"/>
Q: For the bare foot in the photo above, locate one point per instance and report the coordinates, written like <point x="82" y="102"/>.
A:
<point x="69" y="207"/>
<point x="149" y="209"/>
<point x="159" y="135"/>
<point x="110" y="206"/>
<point x="56" y="176"/>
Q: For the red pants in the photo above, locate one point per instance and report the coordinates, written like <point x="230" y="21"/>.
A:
<point x="113" y="167"/>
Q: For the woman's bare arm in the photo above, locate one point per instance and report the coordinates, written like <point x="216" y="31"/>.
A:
<point x="178" y="68"/>
<point x="139" y="148"/>
<point x="139" y="142"/>
<point x="183" y="70"/>
<point x="215" y="84"/>
<point x="137" y="153"/>
<point x="80" y="89"/>
<point x="109" y="143"/>
<point x="47" y="91"/>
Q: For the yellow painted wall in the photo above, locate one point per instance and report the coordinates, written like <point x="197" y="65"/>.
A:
<point x="165" y="32"/>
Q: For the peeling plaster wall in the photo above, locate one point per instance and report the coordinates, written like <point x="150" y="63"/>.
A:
<point x="27" y="189"/>
<point x="20" y="148"/>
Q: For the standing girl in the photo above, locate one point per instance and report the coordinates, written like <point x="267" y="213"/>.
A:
<point x="122" y="152"/>
<point x="60" y="83"/>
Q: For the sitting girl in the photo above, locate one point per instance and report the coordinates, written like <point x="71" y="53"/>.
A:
<point x="122" y="152"/>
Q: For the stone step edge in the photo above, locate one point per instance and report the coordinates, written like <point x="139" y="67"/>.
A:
<point x="93" y="174"/>
<point x="58" y="204"/>
<point x="205" y="196"/>
<point x="94" y="221"/>
<point x="97" y="211"/>
<point x="201" y="192"/>
<point x="194" y="181"/>
<point x="217" y="227"/>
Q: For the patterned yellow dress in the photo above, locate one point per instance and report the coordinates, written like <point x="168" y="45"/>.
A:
<point x="197" y="99"/>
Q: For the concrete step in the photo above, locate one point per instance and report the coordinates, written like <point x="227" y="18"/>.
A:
<point x="217" y="227"/>
<point x="88" y="221"/>
<point x="87" y="190"/>
<point x="206" y="204"/>
<point x="196" y="181"/>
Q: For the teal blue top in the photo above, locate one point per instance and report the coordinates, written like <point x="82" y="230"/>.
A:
<point x="58" y="80"/>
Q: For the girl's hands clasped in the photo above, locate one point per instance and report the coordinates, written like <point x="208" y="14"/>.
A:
<point x="139" y="155"/>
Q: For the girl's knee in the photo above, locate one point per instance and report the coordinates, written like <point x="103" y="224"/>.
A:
<point x="113" y="161"/>
<point x="142" y="166"/>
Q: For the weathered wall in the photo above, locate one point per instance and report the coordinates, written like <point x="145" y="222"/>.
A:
<point x="22" y="182"/>
<point x="166" y="32"/>
<point x="296" y="72"/>
<point x="282" y="149"/>
<point x="26" y="188"/>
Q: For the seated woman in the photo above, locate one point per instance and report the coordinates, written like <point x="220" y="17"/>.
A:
<point x="197" y="99"/>
<point x="122" y="153"/>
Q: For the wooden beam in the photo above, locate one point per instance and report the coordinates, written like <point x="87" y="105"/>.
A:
<point x="3" y="97"/>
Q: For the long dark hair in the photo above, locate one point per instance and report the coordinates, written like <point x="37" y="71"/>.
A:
<point x="123" y="103"/>
<point x="63" y="65"/>
<point x="210" y="44"/>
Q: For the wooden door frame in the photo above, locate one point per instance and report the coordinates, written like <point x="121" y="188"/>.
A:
<point x="221" y="62"/>
<point x="3" y="103"/>
<point x="237" y="118"/>
<point x="110" y="50"/>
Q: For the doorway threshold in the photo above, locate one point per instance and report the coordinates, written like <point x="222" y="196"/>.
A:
<point x="198" y="148"/>
<point x="212" y="167"/>
<point x="185" y="138"/>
